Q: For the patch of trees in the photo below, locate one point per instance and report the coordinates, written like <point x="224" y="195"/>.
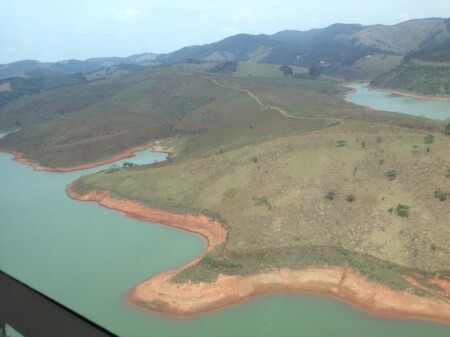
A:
<point x="424" y="79"/>
<point x="441" y="54"/>
<point x="286" y="70"/>
<point x="227" y="67"/>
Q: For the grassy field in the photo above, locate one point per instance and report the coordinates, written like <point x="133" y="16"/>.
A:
<point x="246" y="69"/>
<point x="376" y="65"/>
<point x="271" y="197"/>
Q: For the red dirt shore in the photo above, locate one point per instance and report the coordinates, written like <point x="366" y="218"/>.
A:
<point x="20" y="157"/>
<point x="187" y="299"/>
<point x="408" y="94"/>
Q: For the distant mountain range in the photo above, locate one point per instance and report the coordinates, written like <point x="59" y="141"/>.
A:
<point x="335" y="49"/>
<point x="337" y="44"/>
<point x="36" y="68"/>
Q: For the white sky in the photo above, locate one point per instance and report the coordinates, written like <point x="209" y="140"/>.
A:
<point x="53" y="30"/>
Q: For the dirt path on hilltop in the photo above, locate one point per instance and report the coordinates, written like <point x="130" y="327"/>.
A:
<point x="277" y="109"/>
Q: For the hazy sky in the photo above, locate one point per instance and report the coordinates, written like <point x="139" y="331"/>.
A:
<point x="52" y="30"/>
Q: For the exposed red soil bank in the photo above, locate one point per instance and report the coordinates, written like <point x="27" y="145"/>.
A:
<point x="407" y="94"/>
<point x="181" y="300"/>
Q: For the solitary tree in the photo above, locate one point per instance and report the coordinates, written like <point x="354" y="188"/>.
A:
<point x="286" y="70"/>
<point x="315" y="70"/>
<point x="428" y="139"/>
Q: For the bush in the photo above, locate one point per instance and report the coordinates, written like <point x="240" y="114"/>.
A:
<point x="330" y="194"/>
<point x="341" y="143"/>
<point x="262" y="201"/>
<point x="402" y="210"/>
<point x="447" y="129"/>
<point x="350" y="197"/>
<point x="391" y="174"/>
<point x="254" y="159"/>
<point x="128" y="164"/>
<point x="438" y="194"/>
<point x="428" y="139"/>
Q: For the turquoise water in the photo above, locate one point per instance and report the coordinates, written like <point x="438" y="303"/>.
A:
<point x="88" y="257"/>
<point x="381" y="100"/>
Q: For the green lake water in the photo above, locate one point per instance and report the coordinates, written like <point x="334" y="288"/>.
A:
<point x="88" y="257"/>
<point x="386" y="101"/>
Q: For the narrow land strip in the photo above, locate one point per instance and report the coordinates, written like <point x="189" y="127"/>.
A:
<point x="20" y="157"/>
<point x="408" y="94"/>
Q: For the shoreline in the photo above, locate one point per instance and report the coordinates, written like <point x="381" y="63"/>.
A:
<point x="184" y="300"/>
<point x="407" y="94"/>
<point x="129" y="153"/>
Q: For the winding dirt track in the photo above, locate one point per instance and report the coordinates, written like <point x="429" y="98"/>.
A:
<point x="277" y="109"/>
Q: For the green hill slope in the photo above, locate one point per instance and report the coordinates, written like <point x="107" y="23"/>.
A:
<point x="272" y="198"/>
<point x="211" y="113"/>
<point x="425" y="72"/>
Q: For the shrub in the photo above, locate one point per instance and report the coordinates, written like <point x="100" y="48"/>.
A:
<point x="391" y="174"/>
<point x="341" y="143"/>
<point x="428" y="139"/>
<point x="230" y="193"/>
<point x="350" y="197"/>
<point x="254" y="159"/>
<point x="438" y="194"/>
<point x="330" y="194"/>
<point x="128" y="164"/>
<point x="447" y="129"/>
<point x="402" y="210"/>
<point x="262" y="201"/>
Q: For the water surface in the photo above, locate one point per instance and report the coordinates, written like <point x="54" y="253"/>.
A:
<point x="381" y="100"/>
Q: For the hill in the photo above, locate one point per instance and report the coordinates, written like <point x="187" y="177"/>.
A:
<point x="336" y="48"/>
<point x="424" y="72"/>
<point x="27" y="67"/>
<point x="298" y="178"/>
<point x="86" y="123"/>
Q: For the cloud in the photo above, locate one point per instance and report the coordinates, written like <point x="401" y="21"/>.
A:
<point x="129" y="14"/>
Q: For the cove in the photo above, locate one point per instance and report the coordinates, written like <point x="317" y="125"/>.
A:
<point x="88" y="258"/>
<point x="381" y="100"/>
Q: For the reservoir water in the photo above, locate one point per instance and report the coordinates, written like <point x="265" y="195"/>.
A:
<point x="381" y="100"/>
<point x="88" y="257"/>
